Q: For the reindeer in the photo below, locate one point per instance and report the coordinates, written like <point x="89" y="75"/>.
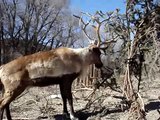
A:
<point x="58" y="66"/>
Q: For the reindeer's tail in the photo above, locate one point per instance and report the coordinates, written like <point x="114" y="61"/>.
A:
<point x="1" y="85"/>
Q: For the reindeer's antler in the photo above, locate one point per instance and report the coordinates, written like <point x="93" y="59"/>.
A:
<point x="97" y="28"/>
<point x="84" y="27"/>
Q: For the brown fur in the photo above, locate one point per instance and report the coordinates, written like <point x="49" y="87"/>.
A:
<point x="58" y="66"/>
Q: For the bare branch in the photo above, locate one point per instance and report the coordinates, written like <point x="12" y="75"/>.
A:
<point x="84" y="27"/>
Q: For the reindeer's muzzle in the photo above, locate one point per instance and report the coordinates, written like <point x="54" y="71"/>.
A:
<point x="99" y="65"/>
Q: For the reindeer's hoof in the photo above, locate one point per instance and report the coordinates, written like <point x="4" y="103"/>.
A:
<point x="72" y="117"/>
<point x="66" y="116"/>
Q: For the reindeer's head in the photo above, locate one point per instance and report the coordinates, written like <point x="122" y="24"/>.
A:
<point x="95" y="56"/>
<point x="97" y="41"/>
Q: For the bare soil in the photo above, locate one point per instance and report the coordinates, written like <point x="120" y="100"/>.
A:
<point x="105" y="104"/>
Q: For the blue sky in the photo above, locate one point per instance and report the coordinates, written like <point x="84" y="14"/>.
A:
<point x="91" y="6"/>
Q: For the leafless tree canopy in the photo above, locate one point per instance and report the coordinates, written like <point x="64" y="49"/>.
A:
<point x="28" y="26"/>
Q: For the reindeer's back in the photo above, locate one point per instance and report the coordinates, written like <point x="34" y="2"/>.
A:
<point x="52" y="63"/>
<point x="63" y="61"/>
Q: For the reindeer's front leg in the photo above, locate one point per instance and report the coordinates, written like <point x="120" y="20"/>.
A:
<point x="68" y="89"/>
<point x="66" y="93"/>
<point x="64" y="98"/>
<point x="70" y="101"/>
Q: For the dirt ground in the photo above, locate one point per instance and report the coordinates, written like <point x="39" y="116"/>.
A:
<point x="46" y="104"/>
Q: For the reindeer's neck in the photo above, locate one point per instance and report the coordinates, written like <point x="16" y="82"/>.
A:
<point x="83" y="53"/>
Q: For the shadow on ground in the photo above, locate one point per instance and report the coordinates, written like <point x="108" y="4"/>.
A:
<point x="85" y="114"/>
<point x="152" y="106"/>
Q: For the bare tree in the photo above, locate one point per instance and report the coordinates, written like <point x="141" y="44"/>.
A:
<point x="29" y="26"/>
<point x="136" y="36"/>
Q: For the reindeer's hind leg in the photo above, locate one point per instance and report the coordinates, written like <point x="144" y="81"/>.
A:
<point x="8" y="114"/>
<point x="2" y="111"/>
<point x="12" y="90"/>
<point x="7" y="110"/>
<point x="1" y="114"/>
